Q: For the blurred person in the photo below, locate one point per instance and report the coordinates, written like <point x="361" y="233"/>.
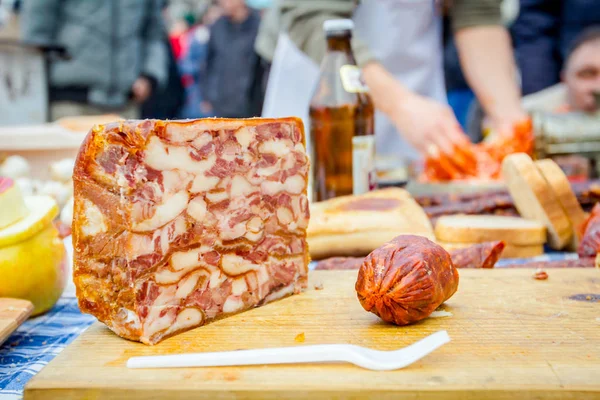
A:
<point x="458" y="91"/>
<point x="260" y="5"/>
<point x="213" y="13"/>
<point x="193" y="65"/>
<point x="233" y="69"/>
<point x="543" y="34"/>
<point x="580" y="79"/>
<point x="179" y="8"/>
<point x="460" y="95"/>
<point x="178" y="36"/>
<point x="581" y="74"/>
<point x="398" y="45"/>
<point x="117" y="49"/>
<point x="166" y="101"/>
<point x="577" y="91"/>
<point x="9" y="28"/>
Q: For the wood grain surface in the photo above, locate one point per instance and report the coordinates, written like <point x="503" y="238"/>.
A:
<point x="513" y="337"/>
<point x="13" y="312"/>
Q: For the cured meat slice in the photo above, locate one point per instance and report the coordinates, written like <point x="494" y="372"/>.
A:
<point x="436" y="199"/>
<point x="179" y="223"/>
<point x="590" y="243"/>
<point x="482" y="255"/>
<point x="484" y="205"/>
<point x="487" y="202"/>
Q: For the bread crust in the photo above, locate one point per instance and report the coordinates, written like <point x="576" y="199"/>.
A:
<point x="561" y="187"/>
<point x="356" y="225"/>
<point x="486" y="228"/>
<point x="354" y="244"/>
<point x="535" y="199"/>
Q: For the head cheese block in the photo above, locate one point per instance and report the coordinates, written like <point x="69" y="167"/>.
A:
<point x="179" y="223"/>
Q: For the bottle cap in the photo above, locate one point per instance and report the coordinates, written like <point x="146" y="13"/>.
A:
<point x="337" y="25"/>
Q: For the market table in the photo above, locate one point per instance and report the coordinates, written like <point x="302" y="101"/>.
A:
<point x="40" y="339"/>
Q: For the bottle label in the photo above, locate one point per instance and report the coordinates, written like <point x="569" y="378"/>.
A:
<point x="352" y="79"/>
<point x="363" y="164"/>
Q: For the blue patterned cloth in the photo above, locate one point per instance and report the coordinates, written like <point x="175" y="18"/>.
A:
<point x="36" y="342"/>
<point x="546" y="257"/>
<point x="40" y="339"/>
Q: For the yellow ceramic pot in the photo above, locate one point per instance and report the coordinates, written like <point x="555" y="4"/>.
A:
<point x="33" y="264"/>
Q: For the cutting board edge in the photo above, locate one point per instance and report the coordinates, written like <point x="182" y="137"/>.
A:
<point x="8" y="329"/>
<point x="48" y="393"/>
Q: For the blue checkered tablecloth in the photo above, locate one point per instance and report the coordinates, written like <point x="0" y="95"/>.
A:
<point x="36" y="342"/>
<point x="546" y="257"/>
<point x="40" y="339"/>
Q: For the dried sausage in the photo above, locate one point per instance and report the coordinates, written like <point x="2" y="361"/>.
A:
<point x="406" y="279"/>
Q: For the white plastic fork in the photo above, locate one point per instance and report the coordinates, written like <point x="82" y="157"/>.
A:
<point x="363" y="357"/>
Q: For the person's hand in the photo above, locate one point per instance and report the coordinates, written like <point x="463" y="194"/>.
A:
<point x="503" y="126"/>
<point x="429" y="126"/>
<point x="141" y="89"/>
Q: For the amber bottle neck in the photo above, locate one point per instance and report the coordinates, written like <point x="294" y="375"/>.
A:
<point x="340" y="42"/>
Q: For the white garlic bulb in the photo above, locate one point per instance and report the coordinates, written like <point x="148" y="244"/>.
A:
<point x="66" y="215"/>
<point x="62" y="170"/>
<point x="15" y="167"/>
<point x="57" y="190"/>
<point x="69" y="186"/>
<point x="38" y="184"/>
<point x="26" y="185"/>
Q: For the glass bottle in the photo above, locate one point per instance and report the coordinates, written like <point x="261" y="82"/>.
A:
<point x="341" y="121"/>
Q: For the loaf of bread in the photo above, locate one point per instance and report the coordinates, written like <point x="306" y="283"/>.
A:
<point x="535" y="199"/>
<point x="484" y="228"/>
<point x="357" y="225"/>
<point x="559" y="184"/>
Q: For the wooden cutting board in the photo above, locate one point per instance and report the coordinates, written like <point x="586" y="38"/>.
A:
<point x="13" y="312"/>
<point x="513" y="337"/>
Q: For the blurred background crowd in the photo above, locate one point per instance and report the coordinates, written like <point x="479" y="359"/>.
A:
<point x="197" y="58"/>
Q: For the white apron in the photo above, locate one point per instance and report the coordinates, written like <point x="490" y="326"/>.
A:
<point x="405" y="35"/>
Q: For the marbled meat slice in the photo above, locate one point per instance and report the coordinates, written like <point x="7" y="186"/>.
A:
<point x="482" y="255"/>
<point x="177" y="223"/>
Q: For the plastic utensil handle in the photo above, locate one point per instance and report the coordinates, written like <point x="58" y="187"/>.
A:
<point x="281" y="355"/>
<point x="366" y="358"/>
